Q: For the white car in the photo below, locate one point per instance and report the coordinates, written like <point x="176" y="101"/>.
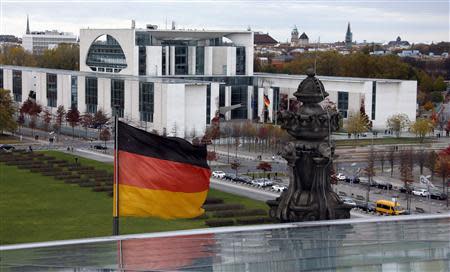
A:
<point x="348" y="201"/>
<point x="340" y="177"/>
<point x="420" y="192"/>
<point x="279" y="188"/>
<point x="218" y="174"/>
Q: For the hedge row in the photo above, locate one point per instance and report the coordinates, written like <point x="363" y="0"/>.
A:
<point x="222" y="207"/>
<point x="235" y="213"/>
<point x="213" y="200"/>
<point x="221" y="222"/>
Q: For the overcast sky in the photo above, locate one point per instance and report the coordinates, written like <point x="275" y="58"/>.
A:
<point x="379" y="21"/>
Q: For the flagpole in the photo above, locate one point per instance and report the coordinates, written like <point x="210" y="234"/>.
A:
<point x="116" y="176"/>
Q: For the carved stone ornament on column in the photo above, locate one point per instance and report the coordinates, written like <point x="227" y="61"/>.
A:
<point x="309" y="196"/>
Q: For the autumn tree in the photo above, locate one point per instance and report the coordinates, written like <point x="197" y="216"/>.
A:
<point x="443" y="167"/>
<point x="7" y="110"/>
<point x="73" y="118"/>
<point x="356" y="124"/>
<point x="105" y="135"/>
<point x="86" y="121"/>
<point x="381" y="157"/>
<point x="60" y="116"/>
<point x="370" y="172"/>
<point x="100" y="119"/>
<point x="21" y="120"/>
<point x="421" y="157"/>
<point x="235" y="166"/>
<point x="397" y="123"/>
<point x="47" y="118"/>
<point x="265" y="167"/>
<point x="406" y="168"/>
<point x="391" y="157"/>
<point x="421" y="127"/>
<point x="211" y="156"/>
<point x="431" y="162"/>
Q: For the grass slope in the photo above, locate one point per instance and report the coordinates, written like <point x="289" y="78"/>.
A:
<point x="36" y="208"/>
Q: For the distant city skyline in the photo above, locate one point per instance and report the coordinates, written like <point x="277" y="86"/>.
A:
<point x="373" y="21"/>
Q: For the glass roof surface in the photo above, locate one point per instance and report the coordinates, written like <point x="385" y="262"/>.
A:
<point x="383" y="245"/>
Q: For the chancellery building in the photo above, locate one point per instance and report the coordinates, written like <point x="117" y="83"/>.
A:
<point x="177" y="80"/>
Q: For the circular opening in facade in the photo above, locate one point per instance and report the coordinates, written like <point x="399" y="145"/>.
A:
<point x="106" y="55"/>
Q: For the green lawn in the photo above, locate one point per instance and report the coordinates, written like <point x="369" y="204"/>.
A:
<point x="38" y="208"/>
<point x="378" y="141"/>
<point x="7" y="139"/>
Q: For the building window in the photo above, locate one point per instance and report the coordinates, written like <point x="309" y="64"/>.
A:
<point x="74" y="92"/>
<point x="276" y="100"/>
<point x="255" y="102"/>
<point x="142" y="60"/>
<point x="163" y="64"/>
<point x="117" y="97"/>
<point x="181" y="60"/>
<point x="239" y="96"/>
<point x="222" y="95"/>
<point x="208" y="104"/>
<point x="146" y="101"/>
<point x="343" y="103"/>
<point x="52" y="91"/>
<point x="91" y="94"/>
<point x="374" y="98"/>
<point x="106" y="52"/>
<point x="200" y="60"/>
<point x="240" y="61"/>
<point x="1" y="78"/>
<point x="17" y="85"/>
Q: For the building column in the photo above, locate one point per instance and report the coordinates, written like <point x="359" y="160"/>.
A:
<point x="172" y="60"/>
<point x="214" y="99"/>
<point x="128" y="97"/>
<point x="208" y="60"/>
<point x="249" y="102"/>
<point x="228" y="101"/>
<point x="270" y="108"/>
<point x="81" y="94"/>
<point x="191" y="60"/>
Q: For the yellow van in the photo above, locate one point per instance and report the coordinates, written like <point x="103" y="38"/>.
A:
<point x="388" y="207"/>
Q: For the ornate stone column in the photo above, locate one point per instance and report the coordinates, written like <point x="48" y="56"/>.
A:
<point x="309" y="196"/>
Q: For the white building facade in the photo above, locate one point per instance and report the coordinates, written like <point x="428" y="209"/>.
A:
<point x="175" y="81"/>
<point x="37" y="42"/>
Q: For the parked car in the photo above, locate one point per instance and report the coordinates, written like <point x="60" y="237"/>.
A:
<point x="340" y="177"/>
<point x="7" y="147"/>
<point x="279" y="188"/>
<point x="218" y="174"/>
<point x="100" y="147"/>
<point x="229" y="176"/>
<point x="420" y="192"/>
<point x="348" y="201"/>
<point x="353" y="179"/>
<point x="243" y="179"/>
<point x="262" y="182"/>
<point x="368" y="207"/>
<point x="435" y="194"/>
<point x="384" y="185"/>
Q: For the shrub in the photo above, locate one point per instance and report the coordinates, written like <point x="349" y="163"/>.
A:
<point x="201" y="217"/>
<point x="223" y="207"/>
<point x="219" y="222"/>
<point x="250" y="220"/>
<point x="234" y="213"/>
<point x="213" y="200"/>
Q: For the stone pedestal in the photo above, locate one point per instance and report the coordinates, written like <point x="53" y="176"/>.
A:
<point x="309" y="196"/>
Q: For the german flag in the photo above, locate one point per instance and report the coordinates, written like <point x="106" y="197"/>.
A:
<point x="159" y="176"/>
<point x="266" y="101"/>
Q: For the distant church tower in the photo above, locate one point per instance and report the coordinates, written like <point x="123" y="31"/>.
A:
<point x="28" y="26"/>
<point x="348" y="37"/>
<point x="294" y="36"/>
